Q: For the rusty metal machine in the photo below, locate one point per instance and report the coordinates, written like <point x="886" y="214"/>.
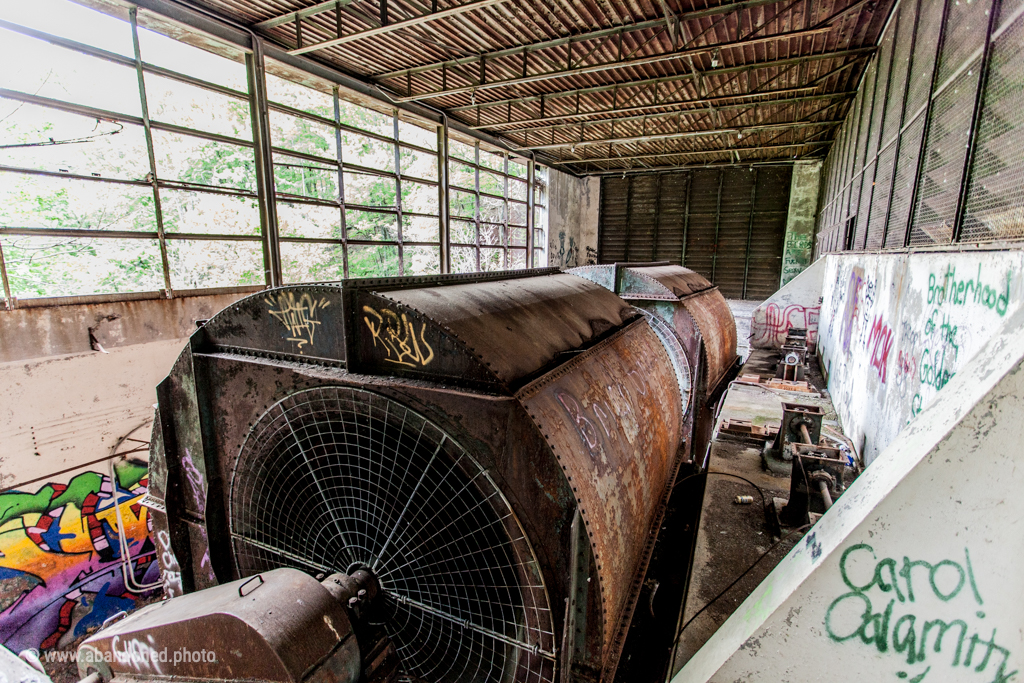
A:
<point x="488" y="457"/>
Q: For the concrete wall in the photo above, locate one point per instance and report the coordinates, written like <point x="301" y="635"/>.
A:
<point x="63" y="410"/>
<point x="798" y="250"/>
<point x="912" y="575"/>
<point x="797" y="304"/>
<point x="572" y="220"/>
<point x="894" y="329"/>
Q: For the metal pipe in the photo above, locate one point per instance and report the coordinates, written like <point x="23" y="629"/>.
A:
<point x="302" y="14"/>
<point x="398" y="192"/>
<point x="805" y="434"/>
<point x="750" y="233"/>
<point x="939" y="44"/>
<point x="389" y="28"/>
<point x="687" y="134"/>
<point x="826" y="496"/>
<point x="442" y="190"/>
<point x="972" y="134"/>
<point x="610" y="66"/>
<point x="839" y="54"/>
<point x="760" y="148"/>
<point x="133" y="17"/>
<point x="531" y="204"/>
<point x="690" y="105"/>
<point x="581" y="37"/>
<point x="341" y="181"/>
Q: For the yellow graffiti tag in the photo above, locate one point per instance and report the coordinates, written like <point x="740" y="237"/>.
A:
<point x="298" y="314"/>
<point x="398" y="337"/>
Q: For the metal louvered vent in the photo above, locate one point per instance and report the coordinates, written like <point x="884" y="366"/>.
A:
<point x="676" y="354"/>
<point x="336" y="479"/>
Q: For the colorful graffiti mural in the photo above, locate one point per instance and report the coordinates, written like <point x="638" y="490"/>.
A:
<point x="60" y="556"/>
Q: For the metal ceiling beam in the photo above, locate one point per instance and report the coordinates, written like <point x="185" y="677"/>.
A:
<point x="712" y="102"/>
<point x="578" y="38"/>
<point x="609" y="66"/>
<point x="302" y="14"/>
<point x="839" y="54"/>
<point x="680" y="135"/>
<point x="693" y="107"/>
<point x="641" y="157"/>
<point x="398" y="25"/>
<point x="688" y="167"/>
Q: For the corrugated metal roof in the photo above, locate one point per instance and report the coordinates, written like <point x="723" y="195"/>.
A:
<point x="602" y="85"/>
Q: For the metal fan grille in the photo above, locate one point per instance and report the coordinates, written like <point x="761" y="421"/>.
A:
<point x="676" y="353"/>
<point x="334" y="479"/>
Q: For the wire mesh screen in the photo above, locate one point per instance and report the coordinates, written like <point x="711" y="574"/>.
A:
<point x="939" y="52"/>
<point x="903" y="184"/>
<point x="864" y="208"/>
<point x="945" y="151"/>
<point x="900" y="71"/>
<point x="926" y="44"/>
<point x="336" y="479"/>
<point x="880" y="98"/>
<point x="995" y="200"/>
<point x="880" y="197"/>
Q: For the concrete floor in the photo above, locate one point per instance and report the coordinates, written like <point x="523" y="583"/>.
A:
<point x="733" y="537"/>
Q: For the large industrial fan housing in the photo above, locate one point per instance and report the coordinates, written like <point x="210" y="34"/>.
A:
<point x="494" y="450"/>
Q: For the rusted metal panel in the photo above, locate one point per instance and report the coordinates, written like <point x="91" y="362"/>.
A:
<point x="611" y="417"/>
<point x="519" y="326"/>
<point x="675" y="280"/>
<point x="599" y="425"/>
<point x="389" y="337"/>
<point x="299" y="321"/>
<point x="718" y="328"/>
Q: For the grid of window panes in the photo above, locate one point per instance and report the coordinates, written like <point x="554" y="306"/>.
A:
<point x="540" y="216"/>
<point x="90" y="201"/>
<point x="487" y="205"/>
<point x="357" y="190"/>
<point x="95" y="201"/>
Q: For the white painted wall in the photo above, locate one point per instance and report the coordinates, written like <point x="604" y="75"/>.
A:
<point x="928" y="537"/>
<point x="894" y="329"/>
<point x="798" y="304"/>
<point x="572" y="219"/>
<point x="66" y="411"/>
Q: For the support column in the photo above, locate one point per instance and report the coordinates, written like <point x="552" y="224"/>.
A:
<point x="798" y="250"/>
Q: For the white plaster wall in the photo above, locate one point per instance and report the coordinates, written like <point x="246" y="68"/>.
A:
<point x="572" y="220"/>
<point x="797" y="304"/>
<point x="894" y="329"/>
<point x="928" y="538"/>
<point x="62" y="412"/>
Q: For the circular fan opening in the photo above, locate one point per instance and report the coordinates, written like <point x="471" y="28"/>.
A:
<point x="335" y="478"/>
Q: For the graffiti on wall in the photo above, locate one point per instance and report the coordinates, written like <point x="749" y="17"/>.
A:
<point x="879" y="345"/>
<point x="60" y="556"/>
<point x="771" y="330"/>
<point x="945" y="306"/>
<point x="797" y="253"/>
<point x="928" y="616"/>
<point x="568" y="254"/>
<point x="854" y="307"/>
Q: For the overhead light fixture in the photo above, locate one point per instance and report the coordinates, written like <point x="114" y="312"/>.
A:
<point x="714" y="60"/>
